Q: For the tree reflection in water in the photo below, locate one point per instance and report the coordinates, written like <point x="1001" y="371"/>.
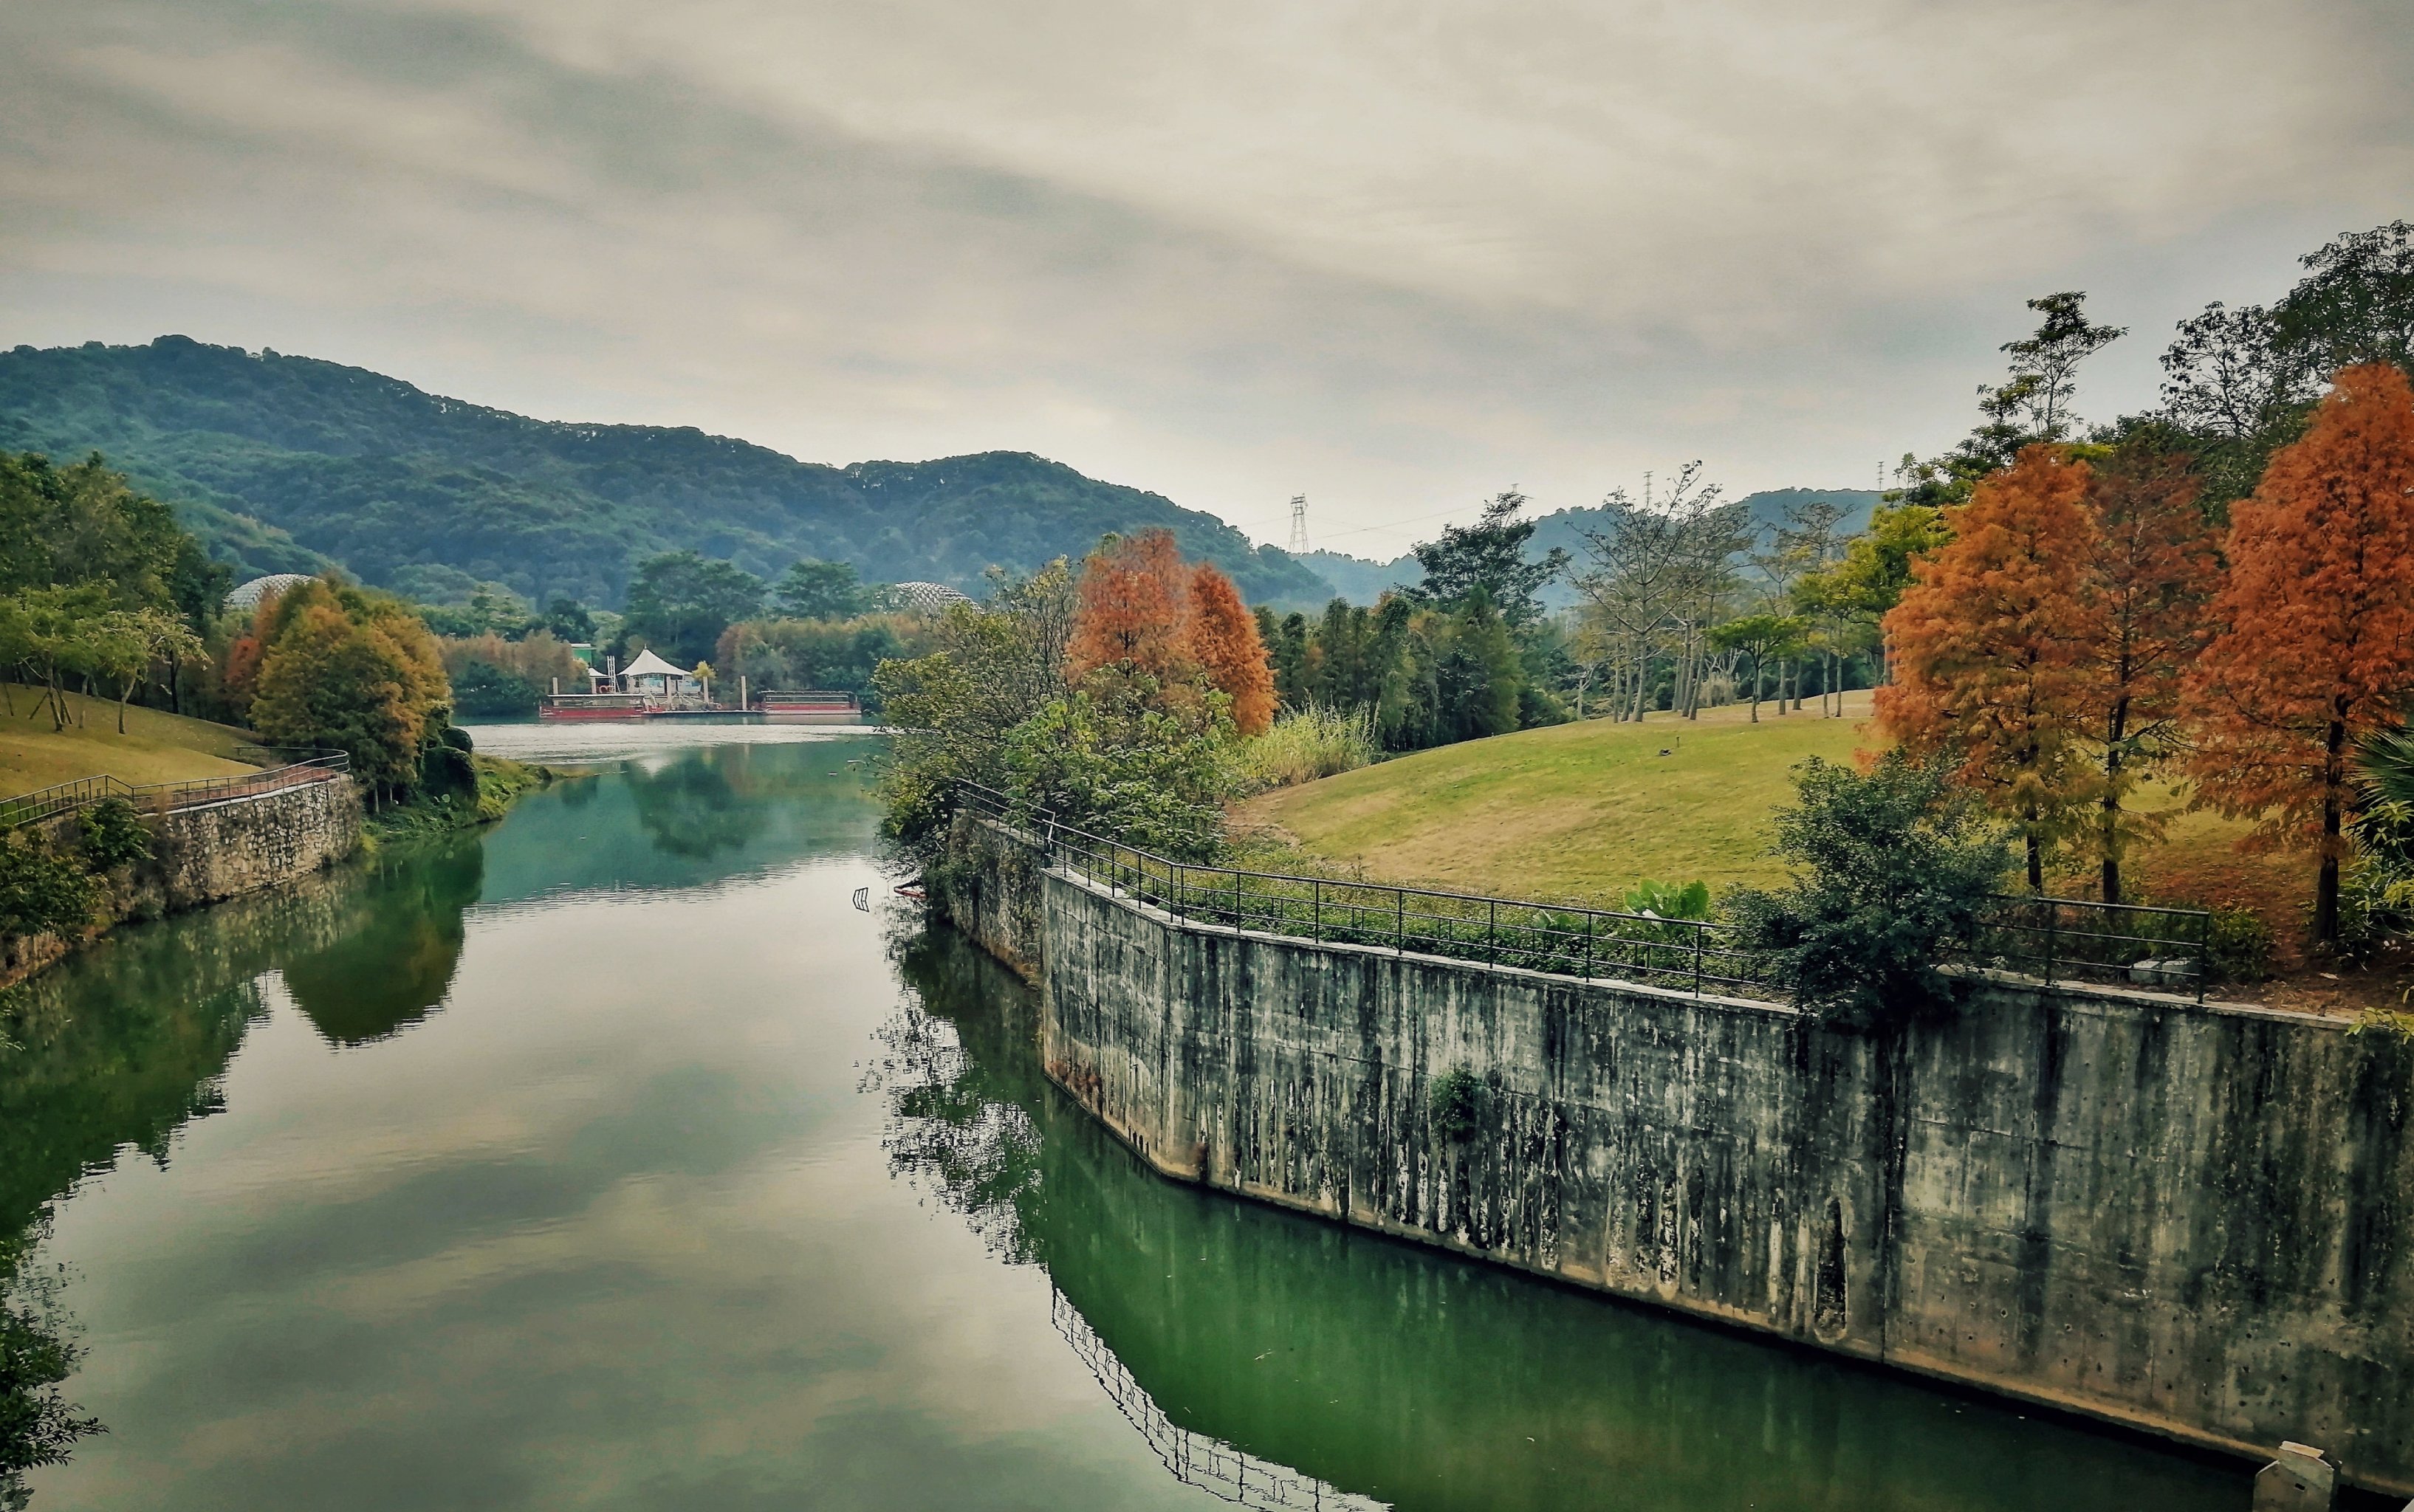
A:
<point x="398" y="945"/>
<point x="118" y="1048"/>
<point x="691" y="808"/>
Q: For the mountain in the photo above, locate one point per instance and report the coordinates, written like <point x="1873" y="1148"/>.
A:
<point x="289" y="464"/>
<point x="1358" y="580"/>
<point x="1363" y="581"/>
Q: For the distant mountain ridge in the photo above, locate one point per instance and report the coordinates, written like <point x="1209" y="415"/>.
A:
<point x="291" y="464"/>
<point x="1361" y="581"/>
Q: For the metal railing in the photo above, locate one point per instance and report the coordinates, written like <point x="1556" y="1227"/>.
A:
<point x="1693" y="955"/>
<point x="2060" y="940"/>
<point x="163" y="797"/>
<point x="2054" y="940"/>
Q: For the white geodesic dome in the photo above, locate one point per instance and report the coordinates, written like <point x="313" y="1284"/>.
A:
<point x="247" y="595"/>
<point x="926" y="597"/>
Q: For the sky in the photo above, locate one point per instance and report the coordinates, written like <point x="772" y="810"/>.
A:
<point x="1395" y="257"/>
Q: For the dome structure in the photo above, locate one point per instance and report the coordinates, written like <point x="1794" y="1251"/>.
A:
<point x="247" y="595"/>
<point x="926" y="597"/>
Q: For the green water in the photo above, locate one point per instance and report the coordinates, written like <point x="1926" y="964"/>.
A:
<point x="613" y="1159"/>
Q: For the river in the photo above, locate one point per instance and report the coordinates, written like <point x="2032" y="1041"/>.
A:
<point x="613" y="1158"/>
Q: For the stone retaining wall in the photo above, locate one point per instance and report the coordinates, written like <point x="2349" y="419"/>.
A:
<point x="2188" y="1219"/>
<point x="205" y="854"/>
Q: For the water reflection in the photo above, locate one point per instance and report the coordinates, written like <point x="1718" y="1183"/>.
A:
<point x="392" y="961"/>
<point x="1420" y="1381"/>
<point x="701" y="817"/>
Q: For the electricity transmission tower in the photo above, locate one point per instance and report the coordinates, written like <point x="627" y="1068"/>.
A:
<point x="1299" y="524"/>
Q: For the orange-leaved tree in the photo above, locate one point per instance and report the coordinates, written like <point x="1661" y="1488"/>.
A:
<point x="1225" y="642"/>
<point x="2315" y="643"/>
<point x="1988" y="645"/>
<point x="1132" y="610"/>
<point x="2152" y="571"/>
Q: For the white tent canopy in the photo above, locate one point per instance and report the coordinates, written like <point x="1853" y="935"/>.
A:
<point x="649" y="665"/>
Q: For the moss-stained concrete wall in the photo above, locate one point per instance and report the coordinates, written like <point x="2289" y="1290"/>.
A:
<point x="208" y="854"/>
<point x="2189" y="1219"/>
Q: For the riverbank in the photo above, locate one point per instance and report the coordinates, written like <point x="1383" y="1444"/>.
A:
<point x="213" y="850"/>
<point x="187" y="858"/>
<point x="2181" y="1218"/>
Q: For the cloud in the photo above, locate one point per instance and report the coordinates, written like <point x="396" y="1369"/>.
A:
<point x="1394" y="256"/>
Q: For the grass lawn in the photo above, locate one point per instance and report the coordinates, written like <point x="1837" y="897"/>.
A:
<point x="156" y="747"/>
<point x="1581" y="812"/>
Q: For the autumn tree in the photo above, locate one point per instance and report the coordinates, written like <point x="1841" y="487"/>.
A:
<point x="2148" y="580"/>
<point x="2315" y="645"/>
<point x="1133" y="613"/>
<point x="1224" y="642"/>
<point x="1988" y="645"/>
<point x="354" y="671"/>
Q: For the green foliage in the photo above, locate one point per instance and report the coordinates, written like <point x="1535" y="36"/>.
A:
<point x="483" y="691"/>
<point x="839" y="654"/>
<point x="813" y="589"/>
<point x="1113" y="759"/>
<point x="1308" y="743"/>
<point x="2238" y="946"/>
<point x="1457" y="1104"/>
<point x="37" y="1424"/>
<point x="681" y="602"/>
<point x="456" y="737"/>
<point x="42" y="892"/>
<point x="286" y="463"/>
<point x="993" y="666"/>
<point x="114" y="835"/>
<point x="570" y="621"/>
<point x="1488" y="559"/>
<point x="1890" y="871"/>
<point x="2240" y="382"/>
<point x="1669" y="900"/>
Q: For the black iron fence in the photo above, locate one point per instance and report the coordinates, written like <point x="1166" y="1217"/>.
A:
<point x="2073" y="940"/>
<point x="2051" y="938"/>
<point x="1693" y="955"/>
<point x="163" y="797"/>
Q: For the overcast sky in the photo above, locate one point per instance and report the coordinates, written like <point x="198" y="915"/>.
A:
<point x="1392" y="257"/>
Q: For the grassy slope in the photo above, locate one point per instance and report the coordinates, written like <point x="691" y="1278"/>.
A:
<point x="156" y="747"/>
<point x="1581" y="812"/>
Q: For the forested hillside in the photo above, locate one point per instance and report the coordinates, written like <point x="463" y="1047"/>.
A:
<point x="283" y="463"/>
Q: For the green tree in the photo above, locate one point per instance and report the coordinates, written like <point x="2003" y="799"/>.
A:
<point x="1114" y="758"/>
<point x="1478" y="674"/>
<point x="994" y="665"/>
<point x="1489" y="555"/>
<point x="2239" y="383"/>
<point x="570" y="620"/>
<point x="814" y="589"/>
<point x="681" y="602"/>
<point x="1762" y="638"/>
<point x="1890" y="871"/>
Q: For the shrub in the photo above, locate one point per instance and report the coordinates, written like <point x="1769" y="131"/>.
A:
<point x="41" y="892"/>
<point x="114" y="835"/>
<point x="1891" y="869"/>
<point x="1457" y="1104"/>
<point x="1307" y="743"/>
<point x="456" y="737"/>
<point x="483" y="691"/>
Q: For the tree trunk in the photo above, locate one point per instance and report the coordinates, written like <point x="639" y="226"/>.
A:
<point x="2109" y="839"/>
<point x="2326" y="885"/>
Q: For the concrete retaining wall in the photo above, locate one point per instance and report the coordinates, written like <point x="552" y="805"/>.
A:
<point x="206" y="854"/>
<point x="2189" y="1219"/>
